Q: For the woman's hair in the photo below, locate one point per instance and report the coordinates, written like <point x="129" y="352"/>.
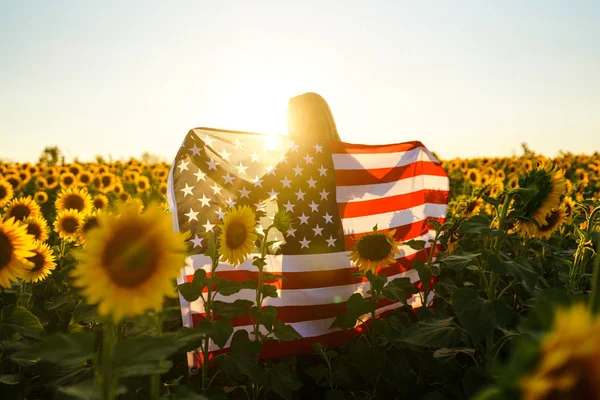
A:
<point x="310" y="118"/>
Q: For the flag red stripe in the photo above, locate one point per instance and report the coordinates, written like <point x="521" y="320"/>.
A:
<point x="403" y="233"/>
<point x="350" y="177"/>
<point x="350" y="148"/>
<point x="319" y="279"/>
<point x="392" y="203"/>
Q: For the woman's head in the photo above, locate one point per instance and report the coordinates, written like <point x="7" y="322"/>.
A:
<point x="310" y="119"/>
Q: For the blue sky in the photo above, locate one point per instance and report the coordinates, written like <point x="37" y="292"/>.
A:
<point x="467" y="78"/>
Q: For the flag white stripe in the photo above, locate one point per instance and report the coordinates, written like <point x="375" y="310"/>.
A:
<point x="381" y="160"/>
<point x="294" y="263"/>
<point x="357" y="193"/>
<point x="305" y="297"/>
<point x="393" y="219"/>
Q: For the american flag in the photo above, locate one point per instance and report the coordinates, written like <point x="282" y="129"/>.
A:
<point x="334" y="191"/>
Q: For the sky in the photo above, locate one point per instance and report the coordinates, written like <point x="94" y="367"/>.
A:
<point x="467" y="78"/>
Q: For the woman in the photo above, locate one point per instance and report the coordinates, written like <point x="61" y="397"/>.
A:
<point x="310" y="119"/>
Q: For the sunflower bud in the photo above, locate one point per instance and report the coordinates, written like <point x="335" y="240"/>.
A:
<point x="282" y="221"/>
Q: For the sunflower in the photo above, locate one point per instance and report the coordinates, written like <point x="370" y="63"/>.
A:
<point x="51" y="182"/>
<point x="37" y="227"/>
<point x="374" y="249"/>
<point x="74" y="199"/>
<point x="41" y="183"/>
<point x="106" y="181"/>
<point x="548" y="185"/>
<point x="22" y="207"/>
<point x="75" y="169"/>
<point x="100" y="202"/>
<point x="40" y="197"/>
<point x="67" y="180"/>
<point x="15" y="246"/>
<point x="25" y="176"/>
<point x="162" y="188"/>
<point x="569" y="209"/>
<point x="88" y="223"/>
<point x="85" y="178"/>
<point x="513" y="182"/>
<point x="118" y="189"/>
<point x="130" y="262"/>
<point x="66" y="224"/>
<point x="472" y="207"/>
<point x="142" y="183"/>
<point x="42" y="264"/>
<point x="124" y="197"/>
<point x="6" y="192"/>
<point x="474" y="176"/>
<point x="15" y="181"/>
<point x="569" y="363"/>
<point x="237" y="235"/>
<point x="553" y="221"/>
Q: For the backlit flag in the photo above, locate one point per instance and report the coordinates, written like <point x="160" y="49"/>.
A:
<point x="334" y="191"/>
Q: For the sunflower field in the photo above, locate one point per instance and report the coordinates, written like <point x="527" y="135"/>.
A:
<point x="89" y="305"/>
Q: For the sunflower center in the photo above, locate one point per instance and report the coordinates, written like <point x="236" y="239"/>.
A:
<point x="236" y="235"/>
<point x="20" y="212"/>
<point x="551" y="220"/>
<point x="568" y="209"/>
<point x="130" y="259"/>
<point x="3" y="192"/>
<point x="38" y="262"/>
<point x="5" y="250"/>
<point x="98" y="203"/>
<point x="106" y="181"/>
<point x="84" y="178"/>
<point x="50" y="180"/>
<point x="70" y="225"/>
<point x="14" y="182"/>
<point x="374" y="247"/>
<point x="471" y="206"/>
<point x="68" y="180"/>
<point x="34" y="230"/>
<point x="75" y="202"/>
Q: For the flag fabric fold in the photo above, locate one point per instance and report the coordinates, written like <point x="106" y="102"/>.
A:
<point x="334" y="191"/>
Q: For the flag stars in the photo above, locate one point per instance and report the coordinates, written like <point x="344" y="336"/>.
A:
<point x="241" y="168"/>
<point x="300" y="194"/>
<point x="257" y="181"/>
<point x="208" y="140"/>
<point x="289" y="207"/>
<point x="269" y="168"/>
<point x="291" y="232"/>
<point x="225" y="155"/>
<point x="286" y="182"/>
<point x="324" y="194"/>
<point x="314" y="206"/>
<point x="317" y="230"/>
<point x="216" y="188"/>
<point x="311" y="183"/>
<point x="183" y="166"/>
<point x="308" y="159"/>
<point x="204" y="200"/>
<point x="322" y="171"/>
<point x="200" y="176"/>
<point x="197" y="241"/>
<point x="195" y="150"/>
<point x="220" y="213"/>
<point x="331" y="241"/>
<point x="192" y="215"/>
<point x="304" y="243"/>
<point x="230" y="202"/>
<point x="318" y="148"/>
<point x="298" y="170"/>
<point x="229" y="179"/>
<point x="238" y="144"/>
<point x="328" y="218"/>
<point x="187" y="190"/>
<point x="273" y="194"/>
<point x="255" y="157"/>
<point x="244" y="193"/>
<point x="208" y="226"/>
<point x="283" y="158"/>
<point x="212" y="164"/>
<point x="294" y="148"/>
<point x="303" y="219"/>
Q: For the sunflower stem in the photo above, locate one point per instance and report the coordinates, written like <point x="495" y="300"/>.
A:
<point x="108" y="347"/>
<point x="208" y="310"/>
<point x="595" y="300"/>
<point x="155" y="378"/>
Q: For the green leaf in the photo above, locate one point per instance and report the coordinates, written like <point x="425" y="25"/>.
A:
<point x="189" y="291"/>
<point x="268" y="276"/>
<point x="377" y="281"/>
<point x="415" y="244"/>
<point x="222" y="330"/>
<point x="242" y="360"/>
<point x="478" y="316"/>
<point x="10" y="379"/>
<point x="270" y="291"/>
<point x="491" y="200"/>
<point x="368" y="360"/>
<point x="425" y="273"/>
<point x="519" y="268"/>
<point x="266" y="316"/>
<point x="231" y="310"/>
<point x="459" y="262"/>
<point x="479" y="224"/>
<point x="285" y="332"/>
<point x="356" y="307"/>
<point x="62" y="349"/>
<point x="228" y="288"/>
<point x="84" y="313"/>
<point x="432" y="333"/>
<point x="282" y="381"/>
<point x="20" y="320"/>
<point x="319" y="373"/>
